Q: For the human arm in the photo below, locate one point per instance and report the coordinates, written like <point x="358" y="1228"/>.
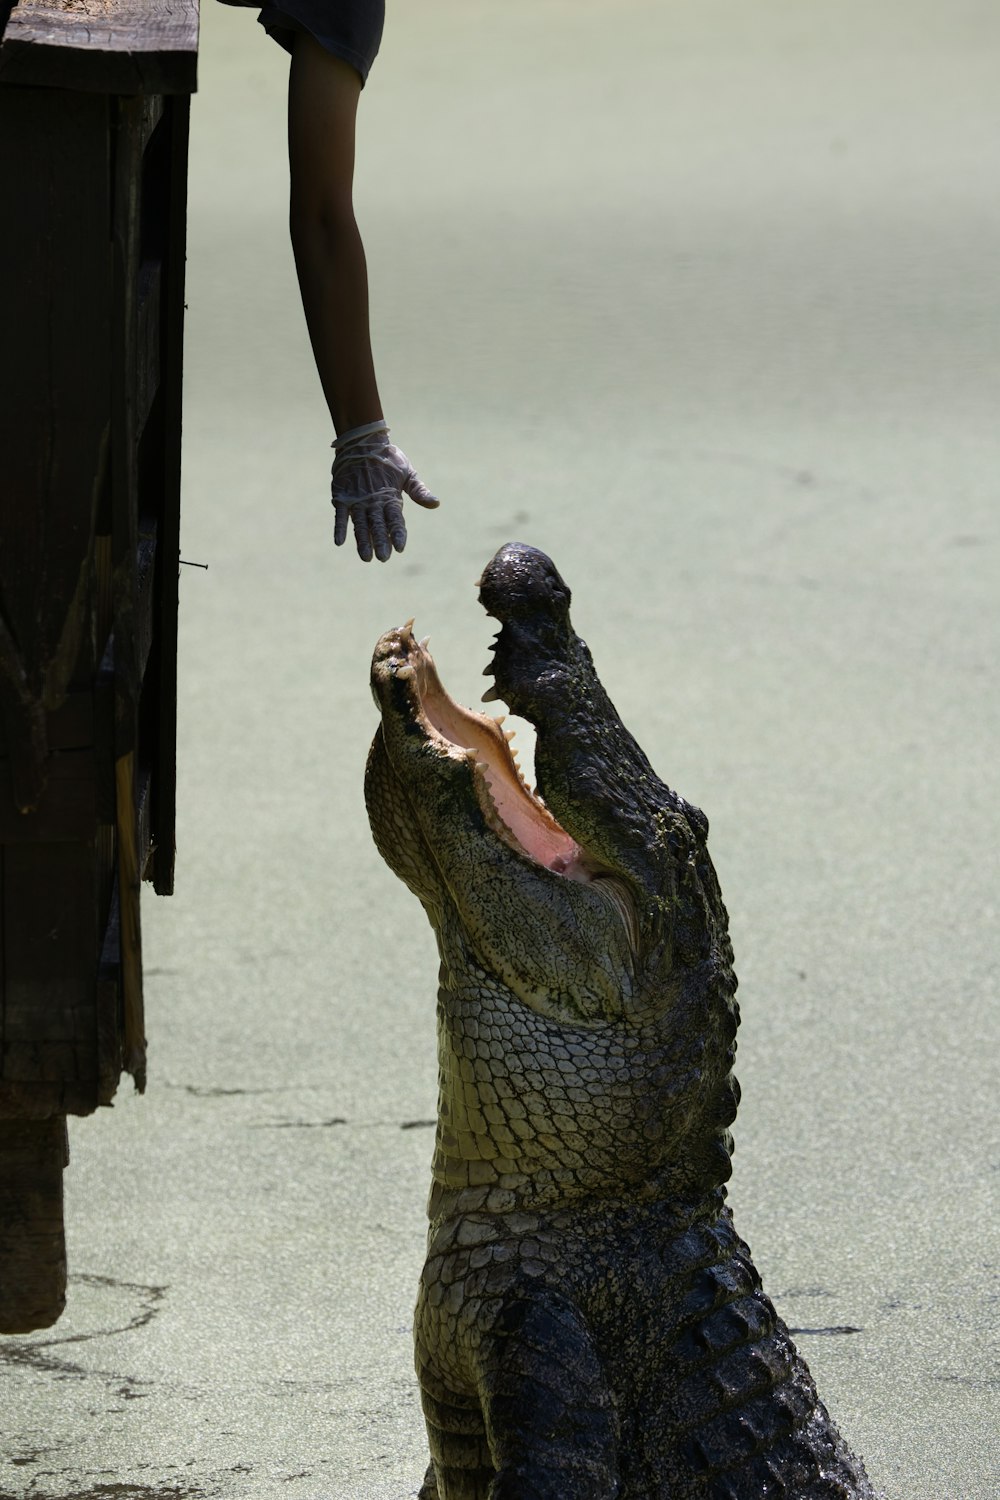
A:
<point x="333" y="279"/>
<point x="323" y="93"/>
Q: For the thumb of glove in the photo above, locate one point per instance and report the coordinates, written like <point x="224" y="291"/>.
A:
<point x="414" y="486"/>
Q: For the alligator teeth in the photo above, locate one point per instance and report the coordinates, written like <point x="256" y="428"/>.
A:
<point x="490" y="696"/>
<point x="500" y="721"/>
<point x="508" y="734"/>
<point x="425" y="643"/>
<point x="489" y="669"/>
<point x="409" y="623"/>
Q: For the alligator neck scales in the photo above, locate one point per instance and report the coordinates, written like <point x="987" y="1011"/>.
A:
<point x="589" y="1325"/>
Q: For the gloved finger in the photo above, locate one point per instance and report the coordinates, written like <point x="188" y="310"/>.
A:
<point x="395" y="524"/>
<point x="341" y="512"/>
<point x="376" y="526"/>
<point x="414" y="486"/>
<point x="362" y="531"/>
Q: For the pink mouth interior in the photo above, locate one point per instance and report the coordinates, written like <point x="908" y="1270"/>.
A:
<point x="480" y="738"/>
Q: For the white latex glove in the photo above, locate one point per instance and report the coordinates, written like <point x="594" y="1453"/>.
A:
<point x="370" y="477"/>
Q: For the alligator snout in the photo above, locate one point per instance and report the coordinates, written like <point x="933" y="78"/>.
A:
<point x="520" y="583"/>
<point x="523" y="590"/>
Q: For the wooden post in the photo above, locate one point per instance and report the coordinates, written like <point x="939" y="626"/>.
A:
<point x="93" y="165"/>
<point x="33" y="1154"/>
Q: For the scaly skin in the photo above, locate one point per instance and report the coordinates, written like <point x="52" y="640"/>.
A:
<point x="589" y="1325"/>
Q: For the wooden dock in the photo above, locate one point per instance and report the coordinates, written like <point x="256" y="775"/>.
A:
<point x="94" y="105"/>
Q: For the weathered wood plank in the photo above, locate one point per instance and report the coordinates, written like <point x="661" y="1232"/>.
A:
<point x="38" y="1100"/>
<point x="50" y="919"/>
<point x="55" y="287"/>
<point x="69" y="727"/>
<point x="148" y="340"/>
<point x="145" y="820"/>
<point x="126" y="239"/>
<point x="104" y="736"/>
<point x="173" y="190"/>
<point x="65" y="810"/>
<point x="129" y="887"/>
<point x="126" y="235"/>
<point x="103" y="46"/>
<point x="110" y="1060"/>
<point x="145" y="606"/>
<point x="33" y="1154"/>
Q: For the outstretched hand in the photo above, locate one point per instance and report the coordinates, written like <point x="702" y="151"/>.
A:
<point x="370" y="477"/>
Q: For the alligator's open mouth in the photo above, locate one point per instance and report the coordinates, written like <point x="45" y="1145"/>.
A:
<point x="512" y="810"/>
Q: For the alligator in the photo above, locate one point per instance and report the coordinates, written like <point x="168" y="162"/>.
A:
<point x="589" y="1324"/>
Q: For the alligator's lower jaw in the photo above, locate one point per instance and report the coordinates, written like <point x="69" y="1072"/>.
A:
<point x="510" y="808"/>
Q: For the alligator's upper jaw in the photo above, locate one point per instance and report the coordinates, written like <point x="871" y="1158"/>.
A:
<point x="457" y="733"/>
<point x="520" y="583"/>
<point x="522" y="589"/>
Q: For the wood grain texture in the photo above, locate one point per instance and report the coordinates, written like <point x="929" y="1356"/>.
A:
<point x="103" y="46"/>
